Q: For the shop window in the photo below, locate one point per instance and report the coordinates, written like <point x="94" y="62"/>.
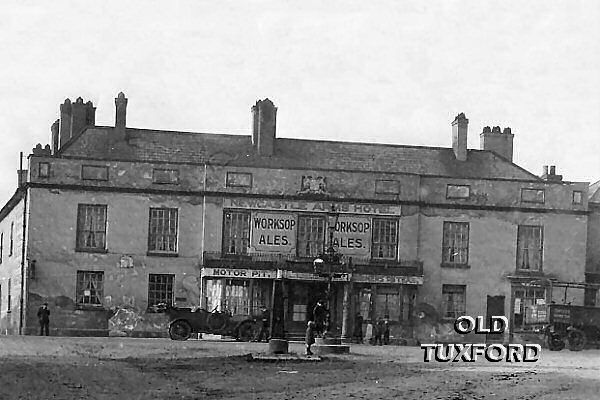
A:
<point x="239" y="179"/>
<point x="94" y="172"/>
<point x="299" y="312"/>
<point x="214" y="294"/>
<point x="91" y="227"/>
<point x="529" y="308"/>
<point x="530" y="247"/>
<point x="532" y="196"/>
<point x="387" y="305"/>
<point x="364" y="303"/>
<point x="453" y="301"/>
<point x="260" y="296"/>
<point x="385" y="238"/>
<point x="455" y="243"/>
<point x="311" y="236"/>
<point x="236" y="232"/>
<point x="237" y="297"/>
<point x="90" y="288"/>
<point x="169" y="176"/>
<point x="162" y="235"/>
<point x="458" y="191"/>
<point x="577" y="197"/>
<point x="160" y="289"/>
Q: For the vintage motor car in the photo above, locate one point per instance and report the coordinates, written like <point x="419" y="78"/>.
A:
<point x="185" y="321"/>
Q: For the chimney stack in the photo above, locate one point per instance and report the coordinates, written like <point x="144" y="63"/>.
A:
<point x="551" y="175"/>
<point x="459" y="136"/>
<point x="264" y="118"/>
<point x="500" y="142"/>
<point x="119" y="134"/>
<point x="65" y="122"/>
<point x="54" y="139"/>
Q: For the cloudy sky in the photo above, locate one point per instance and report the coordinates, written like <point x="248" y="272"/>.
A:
<point x="388" y="71"/>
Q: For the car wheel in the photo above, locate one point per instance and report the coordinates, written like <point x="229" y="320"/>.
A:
<point x="180" y="330"/>
<point x="247" y="331"/>
<point x="576" y="340"/>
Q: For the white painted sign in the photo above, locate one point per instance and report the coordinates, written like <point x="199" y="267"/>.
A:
<point x="273" y="232"/>
<point x="352" y="236"/>
<point x="239" y="273"/>
<point x="405" y="280"/>
<point x="308" y="276"/>
<point x="312" y="206"/>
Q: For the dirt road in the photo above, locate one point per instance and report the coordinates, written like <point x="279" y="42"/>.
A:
<point x="118" y="368"/>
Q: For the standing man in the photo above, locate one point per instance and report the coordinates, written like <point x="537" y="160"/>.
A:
<point x="264" y="324"/>
<point x="358" y="322"/>
<point x="319" y="315"/>
<point x="44" y="317"/>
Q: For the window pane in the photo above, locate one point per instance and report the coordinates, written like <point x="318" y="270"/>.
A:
<point x="90" y="288"/>
<point x="455" y="243"/>
<point x="529" y="247"/>
<point x="385" y="238"/>
<point x="91" y="227"/>
<point x="311" y="236"/>
<point x="453" y="301"/>
<point x="160" y="289"/>
<point x="162" y="235"/>
<point x="236" y="232"/>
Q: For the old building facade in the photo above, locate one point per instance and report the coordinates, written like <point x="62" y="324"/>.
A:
<point x="109" y="221"/>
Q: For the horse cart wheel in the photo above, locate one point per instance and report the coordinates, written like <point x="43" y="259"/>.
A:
<point x="247" y="331"/>
<point x="576" y="340"/>
<point x="555" y="342"/>
<point x="180" y="330"/>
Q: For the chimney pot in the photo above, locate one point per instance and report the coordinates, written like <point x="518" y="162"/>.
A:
<point x="496" y="129"/>
<point x="121" y="110"/>
<point x="552" y="170"/>
<point x="507" y="131"/>
<point x="545" y="170"/>
<point x="487" y="129"/>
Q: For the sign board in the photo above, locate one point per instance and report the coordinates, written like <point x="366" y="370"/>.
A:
<point x="273" y="232"/>
<point x="308" y="276"/>
<point x="405" y="280"/>
<point x="311" y="206"/>
<point x="352" y="236"/>
<point x="239" y="273"/>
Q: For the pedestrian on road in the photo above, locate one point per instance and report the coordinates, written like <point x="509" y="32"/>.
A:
<point x="319" y="316"/>
<point x="386" y="330"/>
<point x="377" y="332"/>
<point x="358" y="333"/>
<point x="310" y="337"/>
<point x="265" y="316"/>
<point x="44" y="318"/>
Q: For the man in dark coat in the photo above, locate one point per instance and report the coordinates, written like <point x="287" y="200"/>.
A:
<point x="265" y="316"/>
<point x="320" y="317"/>
<point x="358" y="333"/>
<point x="44" y="318"/>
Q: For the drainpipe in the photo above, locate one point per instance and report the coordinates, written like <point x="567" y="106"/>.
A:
<point x="22" y="186"/>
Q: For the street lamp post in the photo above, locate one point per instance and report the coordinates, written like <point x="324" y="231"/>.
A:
<point x="329" y="257"/>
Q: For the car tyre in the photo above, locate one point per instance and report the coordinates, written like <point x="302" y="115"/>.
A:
<point x="180" y="330"/>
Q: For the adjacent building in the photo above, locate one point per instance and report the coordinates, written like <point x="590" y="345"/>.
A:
<point x="110" y="220"/>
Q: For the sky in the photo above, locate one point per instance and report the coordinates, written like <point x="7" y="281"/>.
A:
<point x="388" y="71"/>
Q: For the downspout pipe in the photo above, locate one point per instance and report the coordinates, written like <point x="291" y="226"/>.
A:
<point x="23" y="186"/>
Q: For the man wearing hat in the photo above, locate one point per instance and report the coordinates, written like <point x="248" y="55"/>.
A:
<point x="44" y="317"/>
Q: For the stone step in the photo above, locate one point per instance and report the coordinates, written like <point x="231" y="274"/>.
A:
<point x="321" y="349"/>
<point x="328" y="340"/>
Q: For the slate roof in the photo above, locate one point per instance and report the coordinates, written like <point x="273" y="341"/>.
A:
<point x="237" y="150"/>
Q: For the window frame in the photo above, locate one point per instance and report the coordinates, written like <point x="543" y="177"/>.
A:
<point x="174" y="172"/>
<point x="457" y="313"/>
<point x="446" y="241"/>
<point x="92" y="178"/>
<point x="169" y="290"/>
<point x="534" y="201"/>
<point x="374" y="244"/>
<point x="540" y="250"/>
<point x="524" y="325"/>
<point x="385" y="182"/>
<point x="80" y="231"/>
<point x="319" y="241"/>
<point x="454" y="185"/>
<point x="229" y="182"/>
<point x="81" y="287"/>
<point x="580" y="193"/>
<point x="152" y="237"/>
<point x="41" y="166"/>
<point x="238" y="242"/>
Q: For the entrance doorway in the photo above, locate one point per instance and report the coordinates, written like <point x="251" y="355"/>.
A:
<point x="303" y="297"/>
<point x="495" y="307"/>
